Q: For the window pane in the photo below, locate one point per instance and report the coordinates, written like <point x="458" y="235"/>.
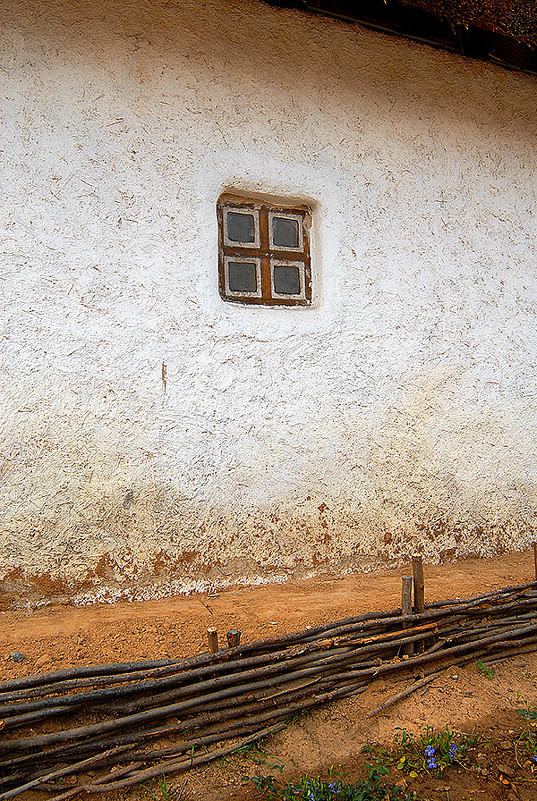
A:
<point x="285" y="232"/>
<point x="286" y="279"/>
<point x="242" y="276"/>
<point x="240" y="227"/>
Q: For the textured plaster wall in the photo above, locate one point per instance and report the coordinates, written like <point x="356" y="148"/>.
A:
<point x="396" y="415"/>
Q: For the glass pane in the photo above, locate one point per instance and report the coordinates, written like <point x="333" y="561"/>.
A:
<point x="286" y="280"/>
<point x="285" y="232"/>
<point x="240" y="227"/>
<point x="242" y="276"/>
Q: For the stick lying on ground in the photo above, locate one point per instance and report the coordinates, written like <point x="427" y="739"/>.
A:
<point x="401" y="695"/>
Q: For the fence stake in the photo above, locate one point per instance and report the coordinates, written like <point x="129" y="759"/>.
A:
<point x="233" y="638"/>
<point x="419" y="587"/>
<point x="406" y="607"/>
<point x="212" y="639"/>
<point x="419" y="593"/>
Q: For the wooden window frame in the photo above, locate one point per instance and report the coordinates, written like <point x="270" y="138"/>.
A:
<point x="263" y="252"/>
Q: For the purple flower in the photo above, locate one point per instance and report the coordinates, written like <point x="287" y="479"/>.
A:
<point x="431" y="763"/>
<point x="452" y="750"/>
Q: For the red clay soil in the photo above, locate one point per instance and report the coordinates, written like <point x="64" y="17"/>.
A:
<point x="62" y="636"/>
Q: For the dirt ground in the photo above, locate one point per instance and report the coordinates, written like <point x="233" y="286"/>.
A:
<point x="463" y="698"/>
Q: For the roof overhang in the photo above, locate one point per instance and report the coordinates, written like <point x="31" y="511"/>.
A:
<point x="499" y="31"/>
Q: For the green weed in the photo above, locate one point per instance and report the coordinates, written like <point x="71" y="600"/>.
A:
<point x="484" y="670"/>
<point x="256" y="754"/>
<point x="429" y="754"/>
<point x="164" y="790"/>
<point x="334" y="788"/>
<point x="528" y="713"/>
<point x="527" y="741"/>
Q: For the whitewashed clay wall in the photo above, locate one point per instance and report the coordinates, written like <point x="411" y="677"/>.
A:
<point x="396" y="415"/>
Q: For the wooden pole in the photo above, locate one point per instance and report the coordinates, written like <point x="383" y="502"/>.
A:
<point x="212" y="639"/>
<point x="535" y="558"/>
<point x="233" y="638"/>
<point x="419" y="586"/>
<point x="419" y="594"/>
<point x="406" y="606"/>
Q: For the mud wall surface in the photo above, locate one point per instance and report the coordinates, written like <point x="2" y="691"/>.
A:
<point x="395" y="415"/>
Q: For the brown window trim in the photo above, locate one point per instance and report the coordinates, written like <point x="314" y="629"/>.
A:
<point x="263" y="253"/>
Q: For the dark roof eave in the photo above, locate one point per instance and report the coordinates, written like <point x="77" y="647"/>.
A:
<point x="413" y="21"/>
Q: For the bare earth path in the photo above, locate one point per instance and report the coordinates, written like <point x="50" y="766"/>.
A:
<point x="61" y="636"/>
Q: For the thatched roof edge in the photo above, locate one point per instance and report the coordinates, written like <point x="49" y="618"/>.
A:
<point x="499" y="31"/>
<point x="517" y="20"/>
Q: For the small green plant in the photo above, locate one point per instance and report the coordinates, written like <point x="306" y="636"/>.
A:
<point x="440" y="749"/>
<point x="164" y="790"/>
<point x="429" y="754"/>
<point x="484" y="670"/>
<point x="314" y="788"/>
<point x="263" y="783"/>
<point x="527" y="741"/>
<point x="527" y="712"/>
<point x="384" y="757"/>
<point x="259" y="756"/>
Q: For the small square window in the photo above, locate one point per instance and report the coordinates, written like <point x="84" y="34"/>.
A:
<point x="264" y="252"/>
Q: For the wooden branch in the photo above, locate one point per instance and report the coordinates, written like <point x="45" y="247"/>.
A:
<point x="115" y="774"/>
<point x="399" y="697"/>
<point x="56" y="774"/>
<point x="92" y="670"/>
<point x="165" y="769"/>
